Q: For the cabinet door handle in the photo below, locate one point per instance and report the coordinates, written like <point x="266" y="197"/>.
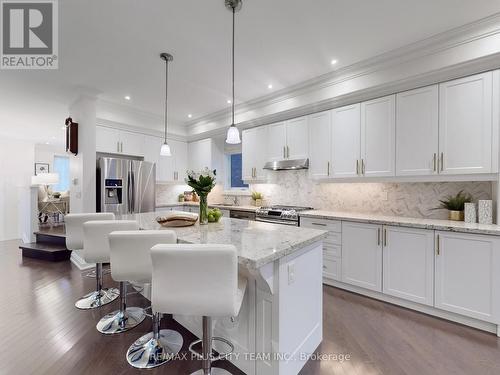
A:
<point x="363" y="167"/>
<point x="284" y="152"/>
<point x="442" y="161"/>
<point x="117" y="146"/>
<point x="357" y="167"/>
<point x="287" y="152"/>
<point x="378" y="236"/>
<point x="434" y="162"/>
<point x="328" y="169"/>
<point x="385" y="237"/>
<point x="438" y="250"/>
<point x="121" y="146"/>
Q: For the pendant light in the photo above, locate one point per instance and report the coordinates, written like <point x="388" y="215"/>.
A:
<point x="165" y="148"/>
<point x="233" y="134"/>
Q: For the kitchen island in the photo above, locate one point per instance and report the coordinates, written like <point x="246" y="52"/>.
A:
<point x="280" y="322"/>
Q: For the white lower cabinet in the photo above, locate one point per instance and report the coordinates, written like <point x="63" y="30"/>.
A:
<point x="362" y="255"/>
<point x="408" y="264"/>
<point x="467" y="275"/>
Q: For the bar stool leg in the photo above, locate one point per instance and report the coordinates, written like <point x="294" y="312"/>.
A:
<point x="122" y="320"/>
<point x="206" y="348"/>
<point x="100" y="296"/>
<point x="155" y="348"/>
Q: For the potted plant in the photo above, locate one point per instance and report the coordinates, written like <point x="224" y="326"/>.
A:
<point x="180" y="198"/>
<point x="257" y="198"/>
<point x="202" y="183"/>
<point x="455" y="205"/>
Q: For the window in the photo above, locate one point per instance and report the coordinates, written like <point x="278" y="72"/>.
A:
<point x="61" y="166"/>
<point x="235" y="168"/>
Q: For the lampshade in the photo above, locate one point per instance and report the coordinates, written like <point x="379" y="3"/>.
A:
<point x="45" y="179"/>
<point x="233" y="135"/>
<point x="165" y="150"/>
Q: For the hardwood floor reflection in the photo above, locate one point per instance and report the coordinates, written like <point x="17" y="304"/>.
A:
<point x="43" y="333"/>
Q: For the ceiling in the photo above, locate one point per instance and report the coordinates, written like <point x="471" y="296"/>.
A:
<point x="113" y="47"/>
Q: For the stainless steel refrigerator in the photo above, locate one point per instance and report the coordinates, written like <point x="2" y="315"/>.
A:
<point x="125" y="186"/>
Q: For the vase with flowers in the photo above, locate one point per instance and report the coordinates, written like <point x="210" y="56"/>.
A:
<point x="202" y="183"/>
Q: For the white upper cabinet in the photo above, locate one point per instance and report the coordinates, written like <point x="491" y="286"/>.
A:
<point x="297" y="138"/>
<point x="276" y="141"/>
<point x="107" y="140"/>
<point x="168" y="168"/>
<point x="362" y="255"/>
<point x="409" y="264"/>
<point x="288" y="140"/>
<point x="378" y="137"/>
<point x="467" y="280"/>
<point x="180" y="160"/>
<point x="346" y="140"/>
<point x="116" y="141"/>
<point x="465" y="125"/>
<point x="320" y="144"/>
<point x="253" y="148"/>
<point x="200" y="154"/>
<point x="132" y="143"/>
<point x="417" y="133"/>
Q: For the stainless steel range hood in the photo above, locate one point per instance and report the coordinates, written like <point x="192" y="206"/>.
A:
<point x="287" y="165"/>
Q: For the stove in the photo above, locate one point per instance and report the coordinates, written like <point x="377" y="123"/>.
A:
<point x="288" y="215"/>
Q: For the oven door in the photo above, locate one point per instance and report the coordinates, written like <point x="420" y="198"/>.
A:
<point x="278" y="221"/>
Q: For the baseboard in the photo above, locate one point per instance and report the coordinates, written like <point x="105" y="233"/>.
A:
<point x="77" y="259"/>
<point x="429" y="310"/>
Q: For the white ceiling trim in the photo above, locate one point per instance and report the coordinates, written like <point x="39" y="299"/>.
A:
<point x="432" y="54"/>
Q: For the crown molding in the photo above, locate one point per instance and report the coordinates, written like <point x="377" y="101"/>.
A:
<point x="139" y="130"/>
<point x="424" y="50"/>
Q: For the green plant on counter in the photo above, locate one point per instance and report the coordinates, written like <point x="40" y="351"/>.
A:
<point x="256" y="195"/>
<point x="455" y="203"/>
<point x="181" y="197"/>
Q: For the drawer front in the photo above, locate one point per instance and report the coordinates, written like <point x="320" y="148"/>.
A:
<point x="333" y="238"/>
<point x="332" y="266"/>
<point x="332" y="250"/>
<point x="330" y="225"/>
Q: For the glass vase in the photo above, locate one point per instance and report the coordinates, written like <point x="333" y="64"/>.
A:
<point x="203" y="209"/>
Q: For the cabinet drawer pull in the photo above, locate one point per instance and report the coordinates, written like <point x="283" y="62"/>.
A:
<point x="320" y="224"/>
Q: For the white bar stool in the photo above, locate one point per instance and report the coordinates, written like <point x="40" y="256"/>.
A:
<point x="131" y="260"/>
<point x="96" y="240"/>
<point x="75" y="241"/>
<point x="198" y="280"/>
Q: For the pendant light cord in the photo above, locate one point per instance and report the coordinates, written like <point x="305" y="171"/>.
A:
<point x="232" y="102"/>
<point x="166" y="97"/>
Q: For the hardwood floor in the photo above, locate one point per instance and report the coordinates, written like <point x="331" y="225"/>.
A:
<point x="43" y="333"/>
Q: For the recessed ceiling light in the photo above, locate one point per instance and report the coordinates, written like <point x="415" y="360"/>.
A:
<point x="229" y="101"/>
<point x="333" y="62"/>
<point x="270" y="86"/>
<point x="190" y="115"/>
<point x="127" y="97"/>
<point x="47" y="143"/>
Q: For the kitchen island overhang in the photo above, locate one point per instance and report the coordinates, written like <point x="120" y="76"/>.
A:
<point x="280" y="322"/>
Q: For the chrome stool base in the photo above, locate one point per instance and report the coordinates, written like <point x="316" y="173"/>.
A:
<point x="119" y="321"/>
<point x="148" y="352"/>
<point x="213" y="371"/>
<point x="97" y="299"/>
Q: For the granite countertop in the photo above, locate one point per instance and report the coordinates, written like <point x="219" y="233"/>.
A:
<point x="436" y="224"/>
<point x="257" y="243"/>
<point x="211" y="205"/>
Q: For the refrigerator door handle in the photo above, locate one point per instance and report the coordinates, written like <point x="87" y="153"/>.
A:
<point x="129" y="192"/>
<point x="132" y="198"/>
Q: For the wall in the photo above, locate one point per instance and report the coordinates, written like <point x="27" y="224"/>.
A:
<point x="16" y="166"/>
<point x="409" y="199"/>
<point x="45" y="153"/>
<point x="168" y="193"/>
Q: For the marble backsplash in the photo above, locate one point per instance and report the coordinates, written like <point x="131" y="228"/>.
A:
<point x="410" y="199"/>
